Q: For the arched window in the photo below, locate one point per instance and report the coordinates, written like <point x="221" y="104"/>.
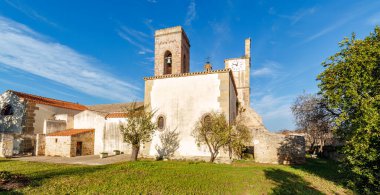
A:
<point x="161" y="123"/>
<point x="7" y="110"/>
<point x="168" y="61"/>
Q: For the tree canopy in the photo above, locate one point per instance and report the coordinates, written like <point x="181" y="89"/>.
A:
<point x="138" y="129"/>
<point x="350" y="85"/>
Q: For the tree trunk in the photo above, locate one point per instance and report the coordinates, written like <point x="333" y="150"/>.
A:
<point x="212" y="157"/>
<point x="135" y="152"/>
<point x="230" y="151"/>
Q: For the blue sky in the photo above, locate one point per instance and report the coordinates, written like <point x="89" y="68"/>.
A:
<point x="95" y="52"/>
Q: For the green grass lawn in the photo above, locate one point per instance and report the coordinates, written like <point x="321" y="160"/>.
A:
<point x="174" y="177"/>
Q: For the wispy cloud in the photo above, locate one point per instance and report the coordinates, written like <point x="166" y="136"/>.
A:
<point x="30" y="12"/>
<point x="269" y="68"/>
<point x="275" y="111"/>
<point x="352" y="14"/>
<point x="299" y="15"/>
<point x="22" y="48"/>
<point x="374" y="19"/>
<point x="295" y="17"/>
<point x="191" y="13"/>
<point x="152" y="1"/>
<point x="136" y="38"/>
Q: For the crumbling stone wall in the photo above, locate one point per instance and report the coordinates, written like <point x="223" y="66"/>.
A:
<point x="271" y="147"/>
<point x="279" y="149"/>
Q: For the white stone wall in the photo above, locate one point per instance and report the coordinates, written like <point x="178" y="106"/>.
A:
<point x="182" y="101"/>
<point x="48" y="112"/>
<point x="92" y="120"/>
<point x="58" y="146"/>
<point x="113" y="139"/>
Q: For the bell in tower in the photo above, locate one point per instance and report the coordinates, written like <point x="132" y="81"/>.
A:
<point x="172" y="51"/>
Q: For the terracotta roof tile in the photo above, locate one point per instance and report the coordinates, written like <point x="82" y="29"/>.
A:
<point x="49" y="101"/>
<point x="117" y="115"/>
<point x="70" y="132"/>
<point x="113" y="108"/>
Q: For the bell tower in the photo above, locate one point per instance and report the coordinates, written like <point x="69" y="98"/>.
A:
<point x="171" y="51"/>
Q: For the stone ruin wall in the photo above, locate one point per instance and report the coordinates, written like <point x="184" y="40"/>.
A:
<point x="271" y="147"/>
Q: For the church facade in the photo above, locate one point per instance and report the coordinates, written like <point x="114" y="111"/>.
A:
<point x="178" y="97"/>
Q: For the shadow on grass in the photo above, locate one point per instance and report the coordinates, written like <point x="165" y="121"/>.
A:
<point x="324" y="168"/>
<point x="39" y="177"/>
<point x="289" y="183"/>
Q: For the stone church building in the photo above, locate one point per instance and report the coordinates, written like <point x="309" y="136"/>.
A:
<point x="35" y="125"/>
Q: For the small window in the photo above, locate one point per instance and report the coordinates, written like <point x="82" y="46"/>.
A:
<point x="7" y="110"/>
<point x="161" y="122"/>
<point x="56" y="140"/>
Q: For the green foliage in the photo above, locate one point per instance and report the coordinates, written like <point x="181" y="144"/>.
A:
<point x="240" y="137"/>
<point x="350" y="85"/>
<point x="138" y="129"/>
<point x="174" y="177"/>
<point x="214" y="131"/>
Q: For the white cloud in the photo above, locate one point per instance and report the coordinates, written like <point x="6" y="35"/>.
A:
<point x="23" y="49"/>
<point x="152" y="1"/>
<point x="191" y="13"/>
<point x="136" y="38"/>
<point x="269" y="68"/>
<point x="30" y="12"/>
<point x="262" y="72"/>
<point x="275" y="111"/>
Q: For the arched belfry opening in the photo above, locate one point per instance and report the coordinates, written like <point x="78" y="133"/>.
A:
<point x="172" y="51"/>
<point x="168" y="61"/>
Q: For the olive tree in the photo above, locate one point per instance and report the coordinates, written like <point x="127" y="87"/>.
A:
<point x="138" y="129"/>
<point x="212" y="130"/>
<point x="239" y="137"/>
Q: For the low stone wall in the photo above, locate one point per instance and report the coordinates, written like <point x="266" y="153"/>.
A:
<point x="279" y="149"/>
<point x="58" y="146"/>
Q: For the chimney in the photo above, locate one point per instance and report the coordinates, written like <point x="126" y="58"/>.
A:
<point x="248" y="47"/>
<point x="207" y="67"/>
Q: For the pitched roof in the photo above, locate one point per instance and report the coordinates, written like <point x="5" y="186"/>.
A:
<point x="113" y="108"/>
<point x="117" y="115"/>
<point x="70" y="132"/>
<point x="227" y="70"/>
<point x="49" y="101"/>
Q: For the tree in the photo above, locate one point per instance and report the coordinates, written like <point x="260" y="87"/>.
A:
<point x="138" y="129"/>
<point x="312" y="116"/>
<point x="239" y="137"/>
<point x="169" y="144"/>
<point x="350" y="84"/>
<point x="212" y="130"/>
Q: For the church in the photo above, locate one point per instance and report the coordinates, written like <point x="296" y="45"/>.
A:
<point x="41" y="126"/>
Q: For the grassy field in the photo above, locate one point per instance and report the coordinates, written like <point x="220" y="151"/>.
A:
<point x="174" y="177"/>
